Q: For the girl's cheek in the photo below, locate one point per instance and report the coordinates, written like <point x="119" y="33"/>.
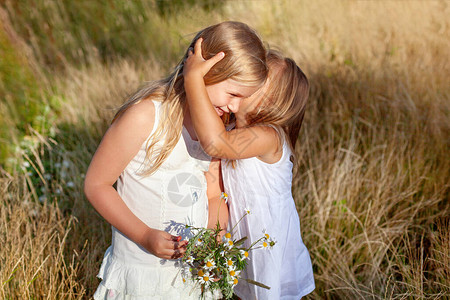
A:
<point x="220" y="101"/>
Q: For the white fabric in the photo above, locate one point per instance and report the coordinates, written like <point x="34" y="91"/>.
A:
<point x="265" y="189"/>
<point x="170" y="198"/>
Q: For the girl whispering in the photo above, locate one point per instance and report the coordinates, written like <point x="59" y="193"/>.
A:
<point x="259" y="178"/>
<point x="150" y="149"/>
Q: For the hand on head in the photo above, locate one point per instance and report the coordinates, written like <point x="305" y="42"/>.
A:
<point x="195" y="64"/>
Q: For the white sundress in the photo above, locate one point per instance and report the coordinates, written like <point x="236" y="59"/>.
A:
<point x="175" y="195"/>
<point x="265" y="190"/>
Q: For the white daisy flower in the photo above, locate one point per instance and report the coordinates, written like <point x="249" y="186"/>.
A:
<point x="233" y="281"/>
<point x="224" y="196"/>
<point x="233" y="272"/>
<point x="266" y="235"/>
<point x="272" y="242"/>
<point x="26" y="164"/>
<point x="229" y="244"/>
<point x="204" y="278"/>
<point x="247" y="211"/>
<point x="210" y="264"/>
<point x="190" y="259"/>
<point x="227" y="237"/>
<point x="268" y="243"/>
<point x="229" y="263"/>
<point x="199" y="242"/>
<point x="244" y="254"/>
<point x="222" y="253"/>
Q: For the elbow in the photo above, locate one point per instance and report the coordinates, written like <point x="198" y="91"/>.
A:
<point x="213" y="147"/>
<point x="89" y="189"/>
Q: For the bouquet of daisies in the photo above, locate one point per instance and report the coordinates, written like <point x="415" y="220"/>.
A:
<point x="216" y="264"/>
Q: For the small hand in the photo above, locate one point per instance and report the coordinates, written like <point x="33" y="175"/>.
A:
<point x="163" y="244"/>
<point x="195" y="64"/>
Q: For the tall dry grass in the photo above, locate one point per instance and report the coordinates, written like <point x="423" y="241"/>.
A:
<point x="371" y="185"/>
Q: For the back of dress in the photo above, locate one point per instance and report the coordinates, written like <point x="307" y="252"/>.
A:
<point x="265" y="190"/>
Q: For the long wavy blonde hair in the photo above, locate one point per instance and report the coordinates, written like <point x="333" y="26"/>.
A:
<point x="244" y="62"/>
<point x="284" y="102"/>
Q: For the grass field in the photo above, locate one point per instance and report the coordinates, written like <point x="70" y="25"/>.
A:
<point x="372" y="182"/>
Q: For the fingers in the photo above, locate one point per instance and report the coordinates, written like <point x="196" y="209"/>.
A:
<point x="198" y="46"/>
<point x="215" y="59"/>
<point x="175" y="253"/>
<point x="198" y="51"/>
<point x="175" y="238"/>
<point x="176" y="243"/>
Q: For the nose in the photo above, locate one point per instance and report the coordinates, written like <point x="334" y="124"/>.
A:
<point x="234" y="105"/>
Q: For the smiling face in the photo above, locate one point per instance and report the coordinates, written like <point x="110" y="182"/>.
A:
<point x="250" y="104"/>
<point x="226" y="96"/>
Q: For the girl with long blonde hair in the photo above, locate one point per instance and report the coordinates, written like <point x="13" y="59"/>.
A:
<point x="257" y="173"/>
<point x="150" y="149"/>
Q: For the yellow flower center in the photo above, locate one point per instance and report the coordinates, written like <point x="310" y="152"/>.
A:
<point x="225" y="195"/>
<point x="246" y="254"/>
<point x="230" y="243"/>
<point x="232" y="273"/>
<point x="200" y="273"/>
<point x="206" y="278"/>
<point x="228" y="235"/>
<point x="264" y="244"/>
<point x="230" y="262"/>
<point x="209" y="264"/>
<point x="235" y="281"/>
<point x="267" y="236"/>
<point x="184" y="280"/>
<point x="200" y="240"/>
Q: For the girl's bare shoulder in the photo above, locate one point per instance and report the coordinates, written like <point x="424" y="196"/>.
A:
<point x="142" y="111"/>
<point x="138" y="117"/>
<point x="271" y="136"/>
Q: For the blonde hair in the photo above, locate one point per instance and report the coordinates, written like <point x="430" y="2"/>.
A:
<point x="283" y="104"/>
<point x="244" y="62"/>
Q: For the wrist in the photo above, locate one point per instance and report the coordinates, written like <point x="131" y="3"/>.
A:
<point x="193" y="77"/>
<point x="143" y="238"/>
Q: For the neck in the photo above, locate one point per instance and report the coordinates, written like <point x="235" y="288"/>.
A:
<point x="241" y="121"/>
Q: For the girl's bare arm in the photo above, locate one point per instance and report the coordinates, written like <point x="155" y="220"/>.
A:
<point x="215" y="140"/>
<point x="119" y="145"/>
<point x="217" y="208"/>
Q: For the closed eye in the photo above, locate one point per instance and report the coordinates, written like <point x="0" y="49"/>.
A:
<point x="236" y="95"/>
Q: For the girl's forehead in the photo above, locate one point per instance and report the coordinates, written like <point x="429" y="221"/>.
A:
<point x="239" y="88"/>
